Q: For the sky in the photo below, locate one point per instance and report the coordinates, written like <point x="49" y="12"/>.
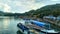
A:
<point x="21" y="6"/>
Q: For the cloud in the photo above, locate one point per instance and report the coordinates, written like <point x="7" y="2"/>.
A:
<point x="54" y="0"/>
<point x="1" y="6"/>
<point x="28" y="5"/>
<point x="4" y="7"/>
<point x="22" y="6"/>
<point x="7" y="8"/>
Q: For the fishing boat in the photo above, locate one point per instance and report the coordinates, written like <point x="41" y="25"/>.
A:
<point x="32" y="25"/>
<point x="44" y="30"/>
<point x="49" y="31"/>
<point x="23" y="28"/>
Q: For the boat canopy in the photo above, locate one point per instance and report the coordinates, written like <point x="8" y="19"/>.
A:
<point x="41" y="24"/>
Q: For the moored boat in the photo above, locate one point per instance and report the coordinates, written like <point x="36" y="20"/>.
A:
<point x="22" y="27"/>
<point x="49" y="31"/>
<point x="36" y="25"/>
<point x="46" y="30"/>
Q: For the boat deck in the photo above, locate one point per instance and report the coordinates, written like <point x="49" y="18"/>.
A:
<point x="34" y="27"/>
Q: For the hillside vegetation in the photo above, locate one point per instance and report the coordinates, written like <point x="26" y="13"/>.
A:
<point x="45" y="11"/>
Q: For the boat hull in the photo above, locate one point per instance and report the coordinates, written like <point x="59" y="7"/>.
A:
<point x="22" y="27"/>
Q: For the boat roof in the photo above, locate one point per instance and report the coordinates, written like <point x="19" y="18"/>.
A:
<point x="38" y="23"/>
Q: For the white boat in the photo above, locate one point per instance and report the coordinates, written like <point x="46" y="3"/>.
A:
<point x="44" y="30"/>
<point x="49" y="31"/>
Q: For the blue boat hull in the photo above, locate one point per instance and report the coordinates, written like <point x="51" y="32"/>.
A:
<point x="22" y="27"/>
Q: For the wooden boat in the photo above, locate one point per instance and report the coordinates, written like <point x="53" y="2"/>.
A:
<point x="38" y="26"/>
<point x="49" y="31"/>
<point x="43" y="29"/>
<point x="22" y="27"/>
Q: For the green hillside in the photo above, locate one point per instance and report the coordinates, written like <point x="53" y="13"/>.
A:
<point x="45" y="11"/>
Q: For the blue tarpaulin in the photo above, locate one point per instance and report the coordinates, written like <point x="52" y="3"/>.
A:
<point x="38" y="23"/>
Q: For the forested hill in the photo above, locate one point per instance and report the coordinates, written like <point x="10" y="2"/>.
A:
<point x="46" y="10"/>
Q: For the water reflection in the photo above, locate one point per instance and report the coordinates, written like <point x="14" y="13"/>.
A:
<point x="6" y="23"/>
<point x="19" y="32"/>
<point x="9" y="25"/>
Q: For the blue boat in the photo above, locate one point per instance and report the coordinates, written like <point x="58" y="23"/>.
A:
<point x="42" y="24"/>
<point x="37" y="23"/>
<point x="22" y="27"/>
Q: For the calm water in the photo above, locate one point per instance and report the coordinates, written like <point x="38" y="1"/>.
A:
<point x="8" y="25"/>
